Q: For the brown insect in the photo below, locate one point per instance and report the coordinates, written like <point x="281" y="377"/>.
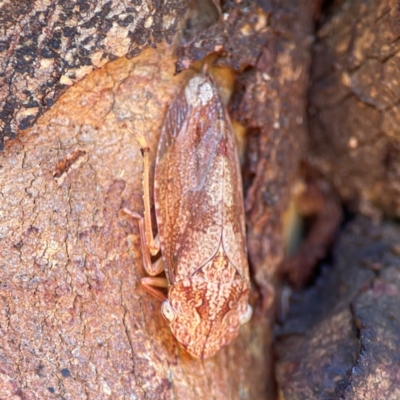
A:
<point x="200" y="218"/>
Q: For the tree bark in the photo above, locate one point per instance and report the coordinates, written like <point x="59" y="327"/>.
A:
<point x="47" y="47"/>
<point x="354" y="114"/>
<point x="341" y="338"/>
<point x="75" y="321"/>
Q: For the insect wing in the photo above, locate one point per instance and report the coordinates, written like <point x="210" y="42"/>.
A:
<point x="189" y="179"/>
<point x="234" y="233"/>
<point x="200" y="217"/>
<point x="195" y="300"/>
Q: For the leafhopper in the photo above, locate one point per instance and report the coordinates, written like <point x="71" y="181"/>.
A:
<point x="198" y="199"/>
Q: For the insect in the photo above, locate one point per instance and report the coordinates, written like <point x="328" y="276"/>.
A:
<point x="200" y="219"/>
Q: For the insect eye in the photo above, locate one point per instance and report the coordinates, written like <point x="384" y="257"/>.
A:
<point x="244" y="318"/>
<point x="167" y="311"/>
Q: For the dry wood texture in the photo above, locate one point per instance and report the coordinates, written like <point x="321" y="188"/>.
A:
<point x="46" y="47"/>
<point x="354" y="110"/>
<point x="341" y="340"/>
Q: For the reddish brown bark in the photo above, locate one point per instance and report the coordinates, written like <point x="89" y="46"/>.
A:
<point x="341" y="339"/>
<point x="354" y="136"/>
<point x="47" y="47"/>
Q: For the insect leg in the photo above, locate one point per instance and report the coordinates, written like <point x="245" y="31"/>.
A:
<point x="152" y="243"/>
<point x="148" y="284"/>
<point x="150" y="267"/>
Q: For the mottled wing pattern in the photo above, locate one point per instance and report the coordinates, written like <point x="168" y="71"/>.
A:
<point x="200" y="218"/>
<point x="206" y="319"/>
<point x="189" y="179"/>
<point x="234" y="231"/>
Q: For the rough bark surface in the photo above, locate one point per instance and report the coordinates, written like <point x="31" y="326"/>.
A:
<point x="47" y="46"/>
<point x="355" y="95"/>
<point x="74" y="321"/>
<point x="341" y="339"/>
<point x="270" y="101"/>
